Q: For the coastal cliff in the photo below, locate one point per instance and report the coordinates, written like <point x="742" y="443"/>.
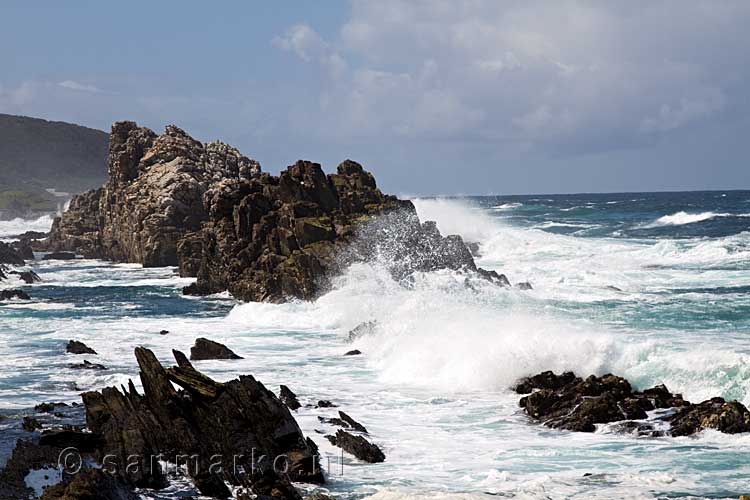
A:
<point x="172" y="201"/>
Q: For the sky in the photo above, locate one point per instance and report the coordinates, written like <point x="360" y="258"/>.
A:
<point x="433" y="97"/>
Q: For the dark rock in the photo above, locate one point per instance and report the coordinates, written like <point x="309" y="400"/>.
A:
<point x="163" y="332"/>
<point x="14" y="294"/>
<point x="357" y="446"/>
<point x="545" y="380"/>
<point x="84" y="442"/>
<point x="211" y="485"/>
<point x="28" y="277"/>
<point x="76" y="347"/>
<point x="352" y="423"/>
<point x="30" y="235"/>
<point x="728" y="417"/>
<point x="355" y="352"/>
<point x="24" y="249"/>
<point x="59" y="256"/>
<point x="25" y="456"/>
<point x="9" y="255"/>
<point x="91" y="484"/>
<point x="289" y="398"/>
<point x="613" y="288"/>
<point x="568" y="402"/>
<point x="86" y="365"/>
<point x="30" y="424"/>
<point x="205" y="349"/>
<point x="273" y="238"/>
<point x="324" y="403"/>
<point x="494" y="277"/>
<point x="524" y="285"/>
<point x="205" y="419"/>
<point x="48" y="407"/>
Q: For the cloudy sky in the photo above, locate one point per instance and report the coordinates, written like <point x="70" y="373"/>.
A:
<point x="434" y="97"/>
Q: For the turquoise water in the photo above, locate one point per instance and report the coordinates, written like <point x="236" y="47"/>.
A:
<point x="650" y="286"/>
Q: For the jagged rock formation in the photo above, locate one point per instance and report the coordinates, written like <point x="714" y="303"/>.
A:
<point x="571" y="403"/>
<point x="152" y="198"/>
<point x="207" y="419"/>
<point x="273" y="238"/>
<point x="171" y="200"/>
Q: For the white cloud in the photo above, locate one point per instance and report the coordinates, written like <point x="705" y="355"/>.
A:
<point x="571" y="75"/>
<point x="73" y="85"/>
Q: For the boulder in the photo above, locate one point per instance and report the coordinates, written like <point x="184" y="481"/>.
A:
<point x="289" y="398"/>
<point x="76" y="347"/>
<point x="354" y="352"/>
<point x="24" y="249"/>
<point x="205" y="349"/>
<point x="357" y="446"/>
<point x="728" y="417"/>
<point x="352" y="423"/>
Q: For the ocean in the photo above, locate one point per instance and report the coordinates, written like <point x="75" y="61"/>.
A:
<point x="650" y="286"/>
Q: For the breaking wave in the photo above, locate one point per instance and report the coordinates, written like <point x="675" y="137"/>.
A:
<point x="9" y="228"/>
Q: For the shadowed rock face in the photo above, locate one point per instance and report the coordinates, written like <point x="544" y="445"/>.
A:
<point x="152" y="198"/>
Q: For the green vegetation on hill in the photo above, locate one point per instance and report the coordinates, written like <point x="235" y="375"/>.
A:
<point x="36" y="155"/>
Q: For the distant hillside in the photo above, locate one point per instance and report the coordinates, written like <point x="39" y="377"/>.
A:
<point x="37" y="155"/>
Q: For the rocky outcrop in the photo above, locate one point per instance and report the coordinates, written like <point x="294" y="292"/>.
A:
<point x="238" y="422"/>
<point x="9" y="255"/>
<point x="274" y="238"/>
<point x="91" y="484"/>
<point x="357" y="446"/>
<point x="78" y="229"/>
<point x="152" y="198"/>
<point x="205" y="349"/>
<point x="171" y="200"/>
<point x="76" y="347"/>
<point x="571" y="403"/>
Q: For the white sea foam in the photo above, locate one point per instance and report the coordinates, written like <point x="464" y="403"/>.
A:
<point x="682" y="218"/>
<point x="18" y="226"/>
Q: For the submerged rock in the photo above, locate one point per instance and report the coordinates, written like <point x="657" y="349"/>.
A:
<point x="524" y="285"/>
<point x="354" y="352"/>
<point x="14" y="294"/>
<point x="28" y="277"/>
<point x="48" y="407"/>
<point x="205" y="349"/>
<point x="59" y="256"/>
<point x="76" y="347"/>
<point x="357" y="446"/>
<point x="571" y="403"/>
<point x="87" y="365"/>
